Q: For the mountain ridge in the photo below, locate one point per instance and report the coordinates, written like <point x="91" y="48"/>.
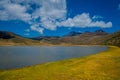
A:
<point x="98" y="37"/>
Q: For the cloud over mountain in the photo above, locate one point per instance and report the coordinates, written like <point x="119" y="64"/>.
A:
<point x="42" y="14"/>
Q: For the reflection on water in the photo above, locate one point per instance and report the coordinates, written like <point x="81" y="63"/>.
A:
<point x="15" y="57"/>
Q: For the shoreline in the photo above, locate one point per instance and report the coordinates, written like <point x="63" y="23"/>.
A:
<point x="59" y="60"/>
<point x="56" y="60"/>
<point x="102" y="66"/>
<point x="55" y="45"/>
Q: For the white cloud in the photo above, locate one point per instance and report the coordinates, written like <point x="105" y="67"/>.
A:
<point x="37" y="28"/>
<point x="81" y="20"/>
<point x="84" y="20"/>
<point x="97" y="17"/>
<point x="13" y="11"/>
<point x="48" y="14"/>
<point x="4" y="15"/>
<point x="101" y="24"/>
<point x="51" y="11"/>
<point x="17" y="11"/>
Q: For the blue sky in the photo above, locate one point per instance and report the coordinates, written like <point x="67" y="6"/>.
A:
<point x="30" y="18"/>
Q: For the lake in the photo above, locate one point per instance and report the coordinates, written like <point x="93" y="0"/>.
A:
<point x="21" y="56"/>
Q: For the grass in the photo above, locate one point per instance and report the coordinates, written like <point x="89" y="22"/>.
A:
<point x="102" y="66"/>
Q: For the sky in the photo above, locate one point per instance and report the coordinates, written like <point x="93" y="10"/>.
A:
<point x="30" y="18"/>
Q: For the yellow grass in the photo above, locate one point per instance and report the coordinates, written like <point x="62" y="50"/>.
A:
<point x="101" y="66"/>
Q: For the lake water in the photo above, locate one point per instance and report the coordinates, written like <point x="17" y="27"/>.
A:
<point x="20" y="56"/>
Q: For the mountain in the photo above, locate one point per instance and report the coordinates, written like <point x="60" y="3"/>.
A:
<point x="113" y="39"/>
<point x="6" y="35"/>
<point x="76" y="38"/>
<point x="100" y="32"/>
<point x="86" y="38"/>
<point x="73" y="33"/>
<point x="48" y="39"/>
<point x="45" y="37"/>
<point x="98" y="37"/>
<point x="9" y="38"/>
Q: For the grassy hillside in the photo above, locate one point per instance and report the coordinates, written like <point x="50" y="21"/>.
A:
<point x="85" y="39"/>
<point x="9" y="38"/>
<point x="88" y="38"/>
<point x="113" y="39"/>
<point x="74" y="38"/>
<point x="102" y="66"/>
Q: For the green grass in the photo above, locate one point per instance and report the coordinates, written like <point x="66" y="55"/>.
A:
<point x="102" y="66"/>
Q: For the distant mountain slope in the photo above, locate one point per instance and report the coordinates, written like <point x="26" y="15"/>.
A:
<point x="9" y="38"/>
<point x="73" y="33"/>
<point x="6" y="35"/>
<point x="98" y="37"/>
<point x="87" y="38"/>
<point x="113" y="39"/>
<point x="77" y="38"/>
<point x="45" y="37"/>
<point x="48" y="39"/>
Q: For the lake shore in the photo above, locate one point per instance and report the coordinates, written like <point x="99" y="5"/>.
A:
<point x="51" y="45"/>
<point x="102" y="66"/>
